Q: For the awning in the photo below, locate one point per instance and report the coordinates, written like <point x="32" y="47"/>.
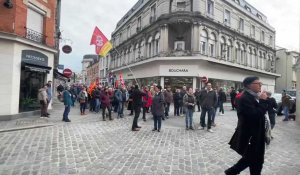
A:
<point x="60" y="76"/>
<point x="37" y="68"/>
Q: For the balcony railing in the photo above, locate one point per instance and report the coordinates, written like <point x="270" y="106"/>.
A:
<point x="35" y="36"/>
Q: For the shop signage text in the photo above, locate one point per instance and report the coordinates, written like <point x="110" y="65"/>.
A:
<point x="178" y="70"/>
<point x="34" y="57"/>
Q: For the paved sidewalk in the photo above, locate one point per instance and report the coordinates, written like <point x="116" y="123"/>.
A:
<point x="88" y="145"/>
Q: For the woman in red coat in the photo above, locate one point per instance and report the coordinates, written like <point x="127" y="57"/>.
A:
<point x="147" y="101"/>
<point x="105" y="103"/>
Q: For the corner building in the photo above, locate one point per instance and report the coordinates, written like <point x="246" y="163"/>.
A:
<point x="28" y="49"/>
<point x="176" y="42"/>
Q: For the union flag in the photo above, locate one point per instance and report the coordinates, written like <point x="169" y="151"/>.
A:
<point x="102" y="45"/>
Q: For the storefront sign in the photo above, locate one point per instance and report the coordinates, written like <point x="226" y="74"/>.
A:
<point x="178" y="70"/>
<point x="34" y="57"/>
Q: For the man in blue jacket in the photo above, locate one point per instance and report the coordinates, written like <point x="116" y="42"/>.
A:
<point x="67" y="102"/>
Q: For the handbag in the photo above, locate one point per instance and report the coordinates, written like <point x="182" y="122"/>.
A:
<point x="81" y="101"/>
<point x="268" y="135"/>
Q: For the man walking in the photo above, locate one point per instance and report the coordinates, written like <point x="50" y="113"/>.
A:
<point x="137" y="105"/>
<point x="222" y="100"/>
<point x="168" y="100"/>
<point x="285" y="99"/>
<point x="67" y="102"/>
<point x="157" y="108"/>
<point x="249" y="137"/>
<point x="208" y="100"/>
<point x="232" y="97"/>
<point x="197" y="96"/>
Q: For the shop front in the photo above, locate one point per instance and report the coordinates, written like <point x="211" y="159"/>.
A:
<point x="34" y="70"/>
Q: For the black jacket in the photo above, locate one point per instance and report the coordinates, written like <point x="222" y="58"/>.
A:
<point x="272" y="106"/>
<point x="249" y="137"/>
<point x="208" y="99"/>
<point x="222" y="96"/>
<point x="137" y="98"/>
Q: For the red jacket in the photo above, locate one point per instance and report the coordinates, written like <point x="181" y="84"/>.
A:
<point x="147" y="99"/>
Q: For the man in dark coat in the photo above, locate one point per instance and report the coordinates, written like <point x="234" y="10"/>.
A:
<point x="137" y="105"/>
<point x="232" y="97"/>
<point x="249" y="137"/>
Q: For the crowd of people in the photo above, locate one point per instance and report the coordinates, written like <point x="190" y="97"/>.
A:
<point x="256" y="110"/>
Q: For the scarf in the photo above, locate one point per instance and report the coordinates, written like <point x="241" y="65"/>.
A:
<point x="255" y="95"/>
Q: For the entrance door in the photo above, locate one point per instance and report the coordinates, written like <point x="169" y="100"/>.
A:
<point x="178" y="82"/>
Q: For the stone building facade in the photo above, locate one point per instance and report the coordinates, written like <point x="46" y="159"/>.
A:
<point x="176" y="42"/>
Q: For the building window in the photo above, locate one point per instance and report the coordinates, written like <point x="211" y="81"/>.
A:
<point x="139" y="24"/>
<point x="259" y="60"/>
<point x="153" y="13"/>
<point x="210" y="7"/>
<point x="249" y="57"/>
<point x="128" y="32"/>
<point x="262" y="36"/>
<point x="237" y="53"/>
<point x="227" y="17"/>
<point x="223" y="48"/>
<point x="243" y="54"/>
<point x="248" y="8"/>
<point x="150" y="47"/>
<point x="203" y="42"/>
<point x="181" y="6"/>
<point x="212" y="45"/>
<point x="35" y="26"/>
<point x="254" y="60"/>
<point x="241" y="25"/>
<point x="229" y="50"/>
<point x="179" y="45"/>
<point x="252" y="31"/>
<point x="271" y="40"/>
<point x="156" y="43"/>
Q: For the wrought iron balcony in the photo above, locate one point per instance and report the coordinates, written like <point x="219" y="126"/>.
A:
<point x="35" y="36"/>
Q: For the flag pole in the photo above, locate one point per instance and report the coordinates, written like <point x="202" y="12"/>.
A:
<point x="128" y="67"/>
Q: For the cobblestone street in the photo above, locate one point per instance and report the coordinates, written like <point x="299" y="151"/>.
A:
<point x="88" y="145"/>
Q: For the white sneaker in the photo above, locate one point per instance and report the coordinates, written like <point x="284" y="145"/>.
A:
<point x="210" y="130"/>
<point x="221" y="114"/>
<point x="201" y="128"/>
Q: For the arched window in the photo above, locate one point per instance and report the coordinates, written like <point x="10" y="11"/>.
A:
<point x="259" y="60"/>
<point x="254" y="61"/>
<point x="223" y="48"/>
<point x="229" y="50"/>
<point x="203" y="42"/>
<point x="237" y="52"/>
<point x="137" y="51"/>
<point x="149" y="47"/>
<point x="264" y="62"/>
<point x="243" y="52"/>
<point x="249" y="56"/>
<point x="156" y="43"/>
<point x="212" y="45"/>
<point x="142" y="47"/>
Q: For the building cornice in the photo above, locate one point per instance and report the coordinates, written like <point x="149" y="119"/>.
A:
<point x="18" y="39"/>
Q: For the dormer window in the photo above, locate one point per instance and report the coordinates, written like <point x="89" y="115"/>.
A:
<point x="259" y="16"/>
<point x="248" y="8"/>
<point x="181" y="5"/>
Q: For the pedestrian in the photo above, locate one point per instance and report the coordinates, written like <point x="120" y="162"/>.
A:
<point x="130" y="106"/>
<point x="168" y="95"/>
<point x="49" y="94"/>
<point x="74" y="95"/>
<point x="182" y="107"/>
<point x="272" y="108"/>
<point x="208" y="99"/>
<point x="157" y="108"/>
<point x="106" y="104"/>
<point x="189" y="101"/>
<point x="118" y="98"/>
<point x="215" y="108"/>
<point x="137" y="105"/>
<point x="197" y="96"/>
<point x="67" y="102"/>
<point x="147" y="101"/>
<point x="177" y="100"/>
<point x="43" y="100"/>
<point x="232" y="97"/>
<point x="285" y="99"/>
<point x="237" y="98"/>
<point x="83" y="97"/>
<point x="248" y="139"/>
<point x="96" y="97"/>
<point x="221" y="100"/>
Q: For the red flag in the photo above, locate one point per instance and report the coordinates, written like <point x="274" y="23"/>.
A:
<point x="102" y="44"/>
<point x="121" y="80"/>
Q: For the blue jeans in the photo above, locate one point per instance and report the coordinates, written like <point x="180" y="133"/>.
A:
<point x="286" y="112"/>
<point x="66" y="113"/>
<point x="97" y="105"/>
<point x="120" y="108"/>
<point x="209" y="111"/>
<point x="157" y="121"/>
<point x="189" y="118"/>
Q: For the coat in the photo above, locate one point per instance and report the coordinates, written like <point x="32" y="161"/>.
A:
<point x="67" y="98"/>
<point x="168" y="96"/>
<point x="249" y="137"/>
<point x="157" y="108"/>
<point x="137" y="98"/>
<point x="105" y="99"/>
<point x="208" y="99"/>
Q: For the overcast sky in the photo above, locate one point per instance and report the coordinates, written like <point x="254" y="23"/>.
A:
<point x="79" y="18"/>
